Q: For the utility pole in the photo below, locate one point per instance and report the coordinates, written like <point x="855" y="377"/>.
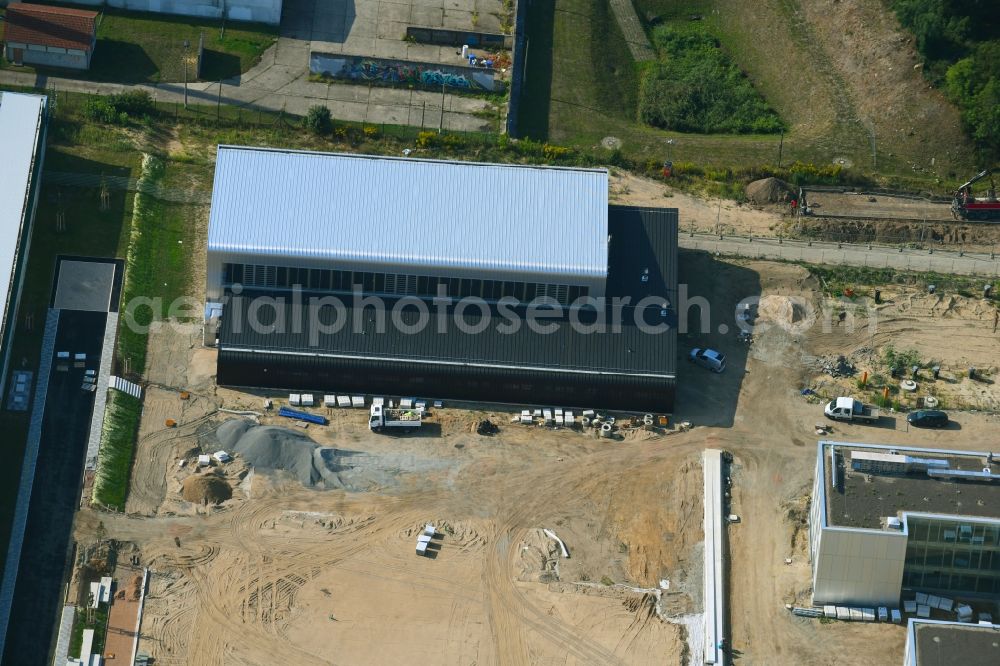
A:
<point x="186" y="44"/>
<point x="781" y="146"/>
<point x="441" y="121"/>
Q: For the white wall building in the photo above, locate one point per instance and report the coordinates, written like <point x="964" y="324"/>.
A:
<point x="258" y="11"/>
<point x="400" y="226"/>
<point x="882" y="523"/>
<point x="22" y="138"/>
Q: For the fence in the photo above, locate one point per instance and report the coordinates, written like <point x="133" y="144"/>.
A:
<point x="224" y="115"/>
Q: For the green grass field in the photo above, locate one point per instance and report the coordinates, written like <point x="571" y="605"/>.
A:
<point x="138" y="47"/>
<point x="580" y="78"/>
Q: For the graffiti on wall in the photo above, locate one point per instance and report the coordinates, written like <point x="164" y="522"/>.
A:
<point x="396" y="72"/>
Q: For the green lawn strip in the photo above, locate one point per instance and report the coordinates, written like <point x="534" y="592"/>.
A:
<point x="114" y="457"/>
<point x="99" y="624"/>
<point x="140" y="47"/>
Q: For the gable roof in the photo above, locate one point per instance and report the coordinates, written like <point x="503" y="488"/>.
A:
<point x="51" y="26"/>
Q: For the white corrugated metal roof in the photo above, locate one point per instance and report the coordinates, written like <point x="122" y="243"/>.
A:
<point x="20" y="122"/>
<point x="394" y="212"/>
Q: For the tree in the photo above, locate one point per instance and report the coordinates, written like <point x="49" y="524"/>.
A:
<point x="318" y="119"/>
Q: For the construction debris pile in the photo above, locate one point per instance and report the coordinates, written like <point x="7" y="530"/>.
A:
<point x="833" y="365"/>
<point x="487" y="428"/>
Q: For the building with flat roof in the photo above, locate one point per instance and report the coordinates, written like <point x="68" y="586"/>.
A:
<point x="889" y="518"/>
<point x="22" y="137"/>
<point x="940" y="643"/>
<point x="421" y="224"/>
<point x="462" y="257"/>
<point x="50" y="36"/>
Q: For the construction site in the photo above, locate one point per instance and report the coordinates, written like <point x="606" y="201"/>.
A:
<point x="301" y="545"/>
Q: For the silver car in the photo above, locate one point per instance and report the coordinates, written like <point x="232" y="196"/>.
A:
<point x="708" y="358"/>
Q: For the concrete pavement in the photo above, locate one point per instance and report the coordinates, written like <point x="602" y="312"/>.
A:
<point x="280" y="81"/>
<point x="844" y="254"/>
<point x="270" y="92"/>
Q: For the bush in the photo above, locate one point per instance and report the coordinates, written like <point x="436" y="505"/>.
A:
<point x="900" y="361"/>
<point x="973" y="84"/>
<point x="318" y="120"/>
<point x="696" y="87"/>
<point x="120" y="108"/>
<point x="427" y="140"/>
<point x="960" y="42"/>
<point x="135" y="103"/>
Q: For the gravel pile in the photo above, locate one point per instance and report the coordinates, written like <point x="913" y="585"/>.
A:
<point x="272" y="448"/>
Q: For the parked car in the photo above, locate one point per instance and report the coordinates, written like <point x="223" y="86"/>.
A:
<point x="927" y="418"/>
<point x="708" y="358"/>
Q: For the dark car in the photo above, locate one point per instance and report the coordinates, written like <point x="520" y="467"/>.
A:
<point x="927" y="418"/>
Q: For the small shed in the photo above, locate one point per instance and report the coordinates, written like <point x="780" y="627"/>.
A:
<point x="50" y="36"/>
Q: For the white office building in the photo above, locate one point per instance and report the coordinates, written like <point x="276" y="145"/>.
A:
<point x="889" y="519"/>
<point x="22" y="138"/>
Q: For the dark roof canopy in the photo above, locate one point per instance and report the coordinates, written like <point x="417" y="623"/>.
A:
<point x="642" y="263"/>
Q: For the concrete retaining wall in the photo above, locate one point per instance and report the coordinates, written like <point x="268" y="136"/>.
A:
<point x="381" y="71"/>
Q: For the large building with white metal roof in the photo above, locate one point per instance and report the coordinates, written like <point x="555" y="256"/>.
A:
<point x="406" y="226"/>
<point x="504" y="240"/>
<point x="22" y="137"/>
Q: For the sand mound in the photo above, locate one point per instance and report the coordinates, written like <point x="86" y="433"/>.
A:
<point x="782" y="310"/>
<point x="770" y="190"/>
<point x="271" y="448"/>
<point x="206" y="489"/>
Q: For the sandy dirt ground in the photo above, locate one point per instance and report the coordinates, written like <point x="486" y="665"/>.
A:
<point x="700" y="213"/>
<point x="714" y="215"/>
<point x="865" y="205"/>
<point x="285" y="574"/>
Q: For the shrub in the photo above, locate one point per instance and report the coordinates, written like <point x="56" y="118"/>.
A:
<point x="551" y="152"/>
<point x="900" y="361"/>
<point x="135" y="103"/>
<point x="696" y="87"/>
<point x="427" y="139"/>
<point x="118" y="109"/>
<point x="318" y="120"/>
<point x="99" y="109"/>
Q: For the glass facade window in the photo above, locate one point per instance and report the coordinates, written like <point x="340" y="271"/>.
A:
<point x="952" y="555"/>
<point x="327" y="280"/>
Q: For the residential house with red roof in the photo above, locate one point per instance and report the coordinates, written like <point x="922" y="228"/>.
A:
<point x="49" y="36"/>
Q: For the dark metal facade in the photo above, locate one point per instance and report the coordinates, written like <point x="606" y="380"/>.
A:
<point x="625" y="369"/>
